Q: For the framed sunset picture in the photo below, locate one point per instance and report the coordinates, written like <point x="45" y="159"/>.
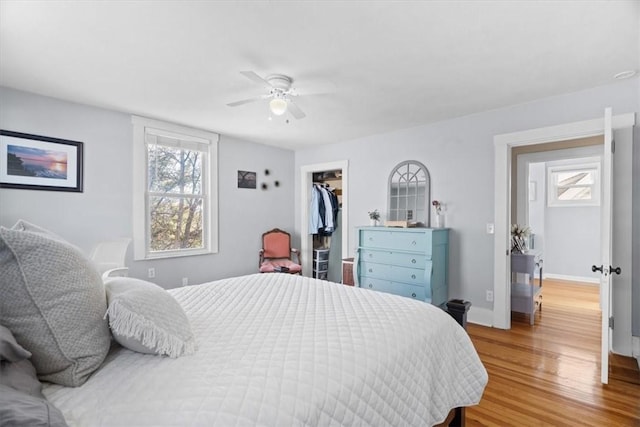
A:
<point x="34" y="162"/>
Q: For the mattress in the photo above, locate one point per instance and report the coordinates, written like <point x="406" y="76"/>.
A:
<point x="285" y="350"/>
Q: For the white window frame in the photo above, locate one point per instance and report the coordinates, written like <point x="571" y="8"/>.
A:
<point x="553" y="201"/>
<point x="141" y="228"/>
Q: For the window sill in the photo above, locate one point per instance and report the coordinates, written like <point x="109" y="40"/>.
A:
<point x="176" y="254"/>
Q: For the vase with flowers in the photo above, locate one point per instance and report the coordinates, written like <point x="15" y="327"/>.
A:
<point x="519" y="235"/>
<point x="374" y="217"/>
<point x="439" y="218"/>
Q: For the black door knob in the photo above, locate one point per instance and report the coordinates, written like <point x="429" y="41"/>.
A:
<point x="616" y="270"/>
<point x="594" y="268"/>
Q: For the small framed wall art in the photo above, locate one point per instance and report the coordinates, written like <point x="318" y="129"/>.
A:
<point x="34" y="162"/>
<point x="246" y="179"/>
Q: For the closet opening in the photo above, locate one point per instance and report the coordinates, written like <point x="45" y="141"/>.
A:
<point x="324" y="220"/>
<point x="324" y="225"/>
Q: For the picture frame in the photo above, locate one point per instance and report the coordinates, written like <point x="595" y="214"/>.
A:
<point x="36" y="162"/>
<point x="247" y="179"/>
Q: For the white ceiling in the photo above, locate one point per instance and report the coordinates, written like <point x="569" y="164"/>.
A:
<point x="393" y="64"/>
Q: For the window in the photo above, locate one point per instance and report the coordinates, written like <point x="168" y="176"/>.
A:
<point x="574" y="185"/>
<point x="175" y="199"/>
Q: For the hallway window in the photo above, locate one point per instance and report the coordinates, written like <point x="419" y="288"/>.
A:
<point x="574" y="185"/>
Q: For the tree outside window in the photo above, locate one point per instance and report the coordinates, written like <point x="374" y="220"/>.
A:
<point x="175" y="198"/>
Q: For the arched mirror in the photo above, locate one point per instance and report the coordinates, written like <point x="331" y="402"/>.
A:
<point x="410" y="193"/>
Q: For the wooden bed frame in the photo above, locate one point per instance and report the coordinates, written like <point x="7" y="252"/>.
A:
<point x="458" y="310"/>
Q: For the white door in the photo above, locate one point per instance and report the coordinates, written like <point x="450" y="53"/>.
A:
<point x="606" y="248"/>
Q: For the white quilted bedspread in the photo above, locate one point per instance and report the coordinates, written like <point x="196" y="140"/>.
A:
<point x="283" y="350"/>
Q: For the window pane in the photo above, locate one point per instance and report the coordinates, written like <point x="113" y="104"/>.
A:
<point x="574" y="193"/>
<point x="174" y="170"/>
<point x="575" y="177"/>
<point x="176" y="223"/>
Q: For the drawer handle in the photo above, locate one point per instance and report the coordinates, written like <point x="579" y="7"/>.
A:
<point x="413" y="261"/>
<point x="370" y="238"/>
<point x="371" y="270"/>
<point x="370" y="285"/>
<point x="413" y="295"/>
<point x="413" y="276"/>
<point x="413" y="243"/>
<point x="370" y="255"/>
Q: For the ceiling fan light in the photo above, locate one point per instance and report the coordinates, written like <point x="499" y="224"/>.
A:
<point x="278" y="106"/>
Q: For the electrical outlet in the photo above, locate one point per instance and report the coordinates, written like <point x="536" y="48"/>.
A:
<point x="490" y="228"/>
<point x="490" y="296"/>
<point x="185" y="281"/>
<point x="151" y="273"/>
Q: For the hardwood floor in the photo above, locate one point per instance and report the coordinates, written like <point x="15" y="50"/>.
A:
<point x="549" y="374"/>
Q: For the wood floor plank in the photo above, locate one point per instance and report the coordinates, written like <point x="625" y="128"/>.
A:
<point x="548" y="374"/>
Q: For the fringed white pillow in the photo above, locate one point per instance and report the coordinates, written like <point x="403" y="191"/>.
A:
<point x="143" y="317"/>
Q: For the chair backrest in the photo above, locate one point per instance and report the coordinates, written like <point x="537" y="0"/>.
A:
<point x="276" y="244"/>
<point x="523" y="263"/>
<point x="110" y="254"/>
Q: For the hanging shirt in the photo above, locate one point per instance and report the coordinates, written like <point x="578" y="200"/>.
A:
<point x="315" y="223"/>
<point x="328" y="211"/>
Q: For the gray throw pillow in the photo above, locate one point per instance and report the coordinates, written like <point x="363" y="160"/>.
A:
<point x="18" y="409"/>
<point x="23" y="225"/>
<point x="16" y="370"/>
<point x="145" y="318"/>
<point x="53" y="302"/>
<point x="10" y="350"/>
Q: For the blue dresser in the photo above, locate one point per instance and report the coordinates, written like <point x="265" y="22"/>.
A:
<point x="412" y="262"/>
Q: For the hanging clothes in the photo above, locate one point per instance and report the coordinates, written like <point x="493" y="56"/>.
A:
<point x="315" y="223"/>
<point x="323" y="211"/>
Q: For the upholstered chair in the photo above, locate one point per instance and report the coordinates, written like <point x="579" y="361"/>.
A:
<point x="276" y="253"/>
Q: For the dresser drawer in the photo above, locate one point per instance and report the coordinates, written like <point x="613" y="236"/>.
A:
<point x="372" y="269"/>
<point x="404" y="259"/>
<point x="410" y="291"/>
<point x="320" y="265"/>
<point x="321" y="254"/>
<point x="388" y="239"/>
<point x="413" y="276"/>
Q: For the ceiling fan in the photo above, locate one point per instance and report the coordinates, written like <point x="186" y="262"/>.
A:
<point x="279" y="91"/>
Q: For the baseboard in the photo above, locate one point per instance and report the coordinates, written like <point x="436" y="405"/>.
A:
<point x="635" y="348"/>
<point x="480" y="316"/>
<point x="594" y="280"/>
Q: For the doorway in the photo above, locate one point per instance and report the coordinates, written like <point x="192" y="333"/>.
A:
<point x="565" y="229"/>
<point x="341" y="239"/>
<point x="617" y="302"/>
<point x="505" y="192"/>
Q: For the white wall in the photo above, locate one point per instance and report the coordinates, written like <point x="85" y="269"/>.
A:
<point x="459" y="156"/>
<point x="104" y="209"/>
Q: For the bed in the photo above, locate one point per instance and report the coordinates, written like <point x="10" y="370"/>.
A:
<point x="285" y="350"/>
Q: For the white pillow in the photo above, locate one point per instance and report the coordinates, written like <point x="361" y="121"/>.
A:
<point x="145" y="318"/>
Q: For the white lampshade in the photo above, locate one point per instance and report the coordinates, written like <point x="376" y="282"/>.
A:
<point x="278" y="106"/>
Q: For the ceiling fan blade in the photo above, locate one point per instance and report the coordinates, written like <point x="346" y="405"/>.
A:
<point x="296" y="111"/>
<point x="246" y="101"/>
<point x="255" y="78"/>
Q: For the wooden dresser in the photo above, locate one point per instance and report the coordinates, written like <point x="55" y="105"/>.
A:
<point x="412" y="262"/>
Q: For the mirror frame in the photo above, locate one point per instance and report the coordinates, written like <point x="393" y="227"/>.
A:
<point x="427" y="190"/>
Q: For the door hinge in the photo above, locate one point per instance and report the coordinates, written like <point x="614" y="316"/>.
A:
<point x="613" y="146"/>
<point x="611" y="322"/>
